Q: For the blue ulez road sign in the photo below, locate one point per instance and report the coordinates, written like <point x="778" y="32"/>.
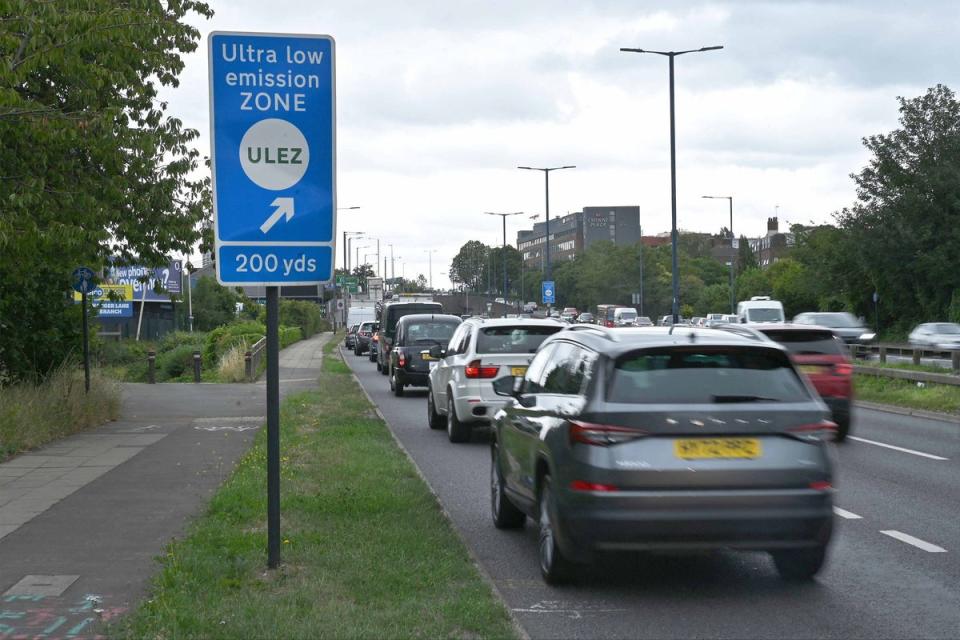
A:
<point x="273" y="139"/>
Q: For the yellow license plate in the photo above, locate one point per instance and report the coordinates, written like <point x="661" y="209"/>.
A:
<point x="812" y="368"/>
<point x="704" y="448"/>
<point x="517" y="371"/>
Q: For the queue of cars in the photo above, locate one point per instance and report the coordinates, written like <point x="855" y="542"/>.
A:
<point x="623" y="438"/>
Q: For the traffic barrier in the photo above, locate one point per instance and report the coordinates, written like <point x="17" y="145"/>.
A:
<point x="914" y="353"/>
<point x="196" y="366"/>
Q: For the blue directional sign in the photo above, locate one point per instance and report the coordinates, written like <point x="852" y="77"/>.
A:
<point x="549" y="292"/>
<point x="82" y="279"/>
<point x="273" y="136"/>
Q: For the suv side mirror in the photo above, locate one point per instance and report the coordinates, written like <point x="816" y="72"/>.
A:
<point x="437" y="352"/>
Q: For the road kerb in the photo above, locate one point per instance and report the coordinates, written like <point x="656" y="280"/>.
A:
<point x="903" y="411"/>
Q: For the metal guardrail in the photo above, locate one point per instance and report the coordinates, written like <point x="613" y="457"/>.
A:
<point x="914" y="353"/>
<point x="253" y="357"/>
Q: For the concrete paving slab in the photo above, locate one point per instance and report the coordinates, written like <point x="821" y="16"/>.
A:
<point x="7" y="528"/>
<point x="113" y="457"/>
<point x="41" y="586"/>
<point x="83" y="475"/>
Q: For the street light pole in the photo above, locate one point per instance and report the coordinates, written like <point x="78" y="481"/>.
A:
<point x="429" y="253"/>
<point x="504" y="250"/>
<point x="673" y="170"/>
<point x="546" y="176"/>
<point x="733" y="302"/>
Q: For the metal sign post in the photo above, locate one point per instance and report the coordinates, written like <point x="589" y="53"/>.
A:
<point x="273" y="134"/>
<point x="83" y="283"/>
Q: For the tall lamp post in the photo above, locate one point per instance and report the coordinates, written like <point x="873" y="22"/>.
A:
<point x="673" y="170"/>
<point x="733" y="302"/>
<point x="504" y="250"/>
<point x="430" y="253"/>
<point x="546" y="179"/>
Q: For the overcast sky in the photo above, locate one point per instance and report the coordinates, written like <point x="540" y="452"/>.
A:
<point x="439" y="100"/>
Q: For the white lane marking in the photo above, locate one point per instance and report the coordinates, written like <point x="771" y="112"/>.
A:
<point x="849" y="515"/>
<point x="917" y="542"/>
<point x="896" y="448"/>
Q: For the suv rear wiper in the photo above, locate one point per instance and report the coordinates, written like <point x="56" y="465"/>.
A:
<point x="743" y="399"/>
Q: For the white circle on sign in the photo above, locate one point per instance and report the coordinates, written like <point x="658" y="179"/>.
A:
<point x="274" y="154"/>
<point x="548" y="292"/>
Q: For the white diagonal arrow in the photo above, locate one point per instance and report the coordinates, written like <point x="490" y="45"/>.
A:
<point x="284" y="207"/>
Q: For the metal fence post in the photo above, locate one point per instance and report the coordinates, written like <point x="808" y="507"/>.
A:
<point x="248" y="365"/>
<point x="955" y="361"/>
<point x="916" y="355"/>
<point x="152" y="367"/>
<point x="196" y="366"/>
<point x="883" y="354"/>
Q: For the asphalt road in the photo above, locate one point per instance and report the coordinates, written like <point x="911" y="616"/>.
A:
<point x="894" y="569"/>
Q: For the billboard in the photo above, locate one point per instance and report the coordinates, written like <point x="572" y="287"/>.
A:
<point x="168" y="279"/>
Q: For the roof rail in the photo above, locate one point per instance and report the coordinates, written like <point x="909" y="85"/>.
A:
<point x="603" y="331"/>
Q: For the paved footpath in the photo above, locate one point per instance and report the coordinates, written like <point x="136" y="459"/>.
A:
<point x="82" y="519"/>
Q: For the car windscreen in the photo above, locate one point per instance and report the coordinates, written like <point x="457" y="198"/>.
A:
<point x="704" y="375"/>
<point x="803" y="343"/>
<point x="765" y="314"/>
<point x="513" y="339"/>
<point x="946" y="328"/>
<point x="627" y="315"/>
<point x="839" y="320"/>
<point x="430" y="332"/>
<point x="394" y="314"/>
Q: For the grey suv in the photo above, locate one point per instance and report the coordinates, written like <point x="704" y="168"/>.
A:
<point x="664" y="439"/>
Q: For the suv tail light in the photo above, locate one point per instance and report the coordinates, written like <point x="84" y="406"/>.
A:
<point x="842" y="369"/>
<point x="583" y="485"/>
<point x="602" y="435"/>
<point x="814" y="431"/>
<point x="402" y="359"/>
<point x="375" y="338"/>
<point x="476" y="370"/>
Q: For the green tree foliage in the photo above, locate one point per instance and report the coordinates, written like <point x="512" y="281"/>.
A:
<point x="213" y="304"/>
<point x="91" y="164"/>
<point x="469" y="268"/>
<point x="905" y="224"/>
<point x="753" y="282"/>
<point x="746" y="258"/>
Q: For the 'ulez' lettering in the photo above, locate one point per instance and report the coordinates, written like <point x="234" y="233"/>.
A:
<point x="281" y="155"/>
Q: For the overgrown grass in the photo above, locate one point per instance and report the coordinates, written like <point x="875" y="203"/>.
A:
<point x="905" y="366"/>
<point x="904" y="393"/>
<point x="34" y="414"/>
<point x="367" y="552"/>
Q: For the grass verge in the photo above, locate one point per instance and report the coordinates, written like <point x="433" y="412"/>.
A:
<point x="904" y="393"/>
<point x="367" y="552"/>
<point x="34" y="414"/>
<point x="904" y="366"/>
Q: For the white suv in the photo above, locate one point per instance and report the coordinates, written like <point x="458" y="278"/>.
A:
<point x="461" y="393"/>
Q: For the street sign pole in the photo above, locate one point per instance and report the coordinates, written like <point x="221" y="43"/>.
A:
<point x="273" y="427"/>
<point x="86" y="344"/>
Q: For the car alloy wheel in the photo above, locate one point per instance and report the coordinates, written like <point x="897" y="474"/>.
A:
<point x="505" y="513"/>
<point x="456" y="430"/>
<point x="554" y="567"/>
<point x="434" y="419"/>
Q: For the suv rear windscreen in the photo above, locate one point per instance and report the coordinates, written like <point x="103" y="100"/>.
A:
<point x="804" y="343"/>
<point x="430" y="332"/>
<point x="703" y="375"/>
<point x="765" y="314"/>
<point x="513" y="339"/>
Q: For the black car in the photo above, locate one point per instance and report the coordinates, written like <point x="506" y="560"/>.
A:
<point x="416" y="333"/>
<point x="350" y="340"/>
<point x="390" y="314"/>
<point x="669" y="439"/>
<point x="363" y="339"/>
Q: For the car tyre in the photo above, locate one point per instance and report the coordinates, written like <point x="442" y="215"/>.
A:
<point x="384" y="368"/>
<point x="843" y="430"/>
<point x="456" y="430"/>
<point x="554" y="566"/>
<point x="434" y="419"/>
<point x="799" y="565"/>
<point x="505" y="513"/>
<point x="395" y="385"/>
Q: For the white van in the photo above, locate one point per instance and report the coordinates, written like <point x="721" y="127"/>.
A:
<point x="624" y="317"/>
<point x="760" y="309"/>
<point x="356" y="315"/>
